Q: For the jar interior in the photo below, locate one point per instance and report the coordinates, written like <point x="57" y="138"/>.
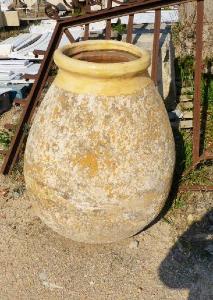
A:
<point x="104" y="56"/>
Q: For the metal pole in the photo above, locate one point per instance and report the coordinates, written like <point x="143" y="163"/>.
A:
<point x="197" y="88"/>
<point x="155" y="51"/>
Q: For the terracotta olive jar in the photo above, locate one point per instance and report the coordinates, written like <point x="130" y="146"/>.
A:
<point x="100" y="154"/>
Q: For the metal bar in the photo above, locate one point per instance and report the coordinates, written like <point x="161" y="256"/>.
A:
<point x="156" y="42"/>
<point x="37" y="52"/>
<point x="29" y="76"/>
<point x="35" y="93"/>
<point x="69" y="35"/>
<point x="198" y="74"/>
<point x="196" y="188"/>
<point x="108" y="22"/>
<point x="118" y="11"/>
<point x="20" y="101"/>
<point x="129" y="29"/>
<point x="208" y="156"/>
<point x="108" y="30"/>
<point x="205" y="156"/>
<point x="86" y="32"/>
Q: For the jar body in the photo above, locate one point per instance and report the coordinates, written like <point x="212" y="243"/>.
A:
<point x="98" y="168"/>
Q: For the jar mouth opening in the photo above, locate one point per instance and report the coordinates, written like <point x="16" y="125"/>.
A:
<point x="102" y="58"/>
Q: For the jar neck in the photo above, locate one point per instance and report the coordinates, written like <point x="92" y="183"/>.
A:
<point x="83" y="84"/>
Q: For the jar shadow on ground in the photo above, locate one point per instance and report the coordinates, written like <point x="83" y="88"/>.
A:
<point x="189" y="263"/>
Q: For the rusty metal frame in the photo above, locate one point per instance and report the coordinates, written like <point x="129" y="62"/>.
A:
<point x="107" y="14"/>
<point x="155" y="51"/>
<point x="207" y="154"/>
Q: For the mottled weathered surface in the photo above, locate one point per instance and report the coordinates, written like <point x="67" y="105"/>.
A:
<point x="98" y="169"/>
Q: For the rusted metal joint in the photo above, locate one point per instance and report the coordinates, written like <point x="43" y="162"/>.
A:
<point x="52" y="11"/>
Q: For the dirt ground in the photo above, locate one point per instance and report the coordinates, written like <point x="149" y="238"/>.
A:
<point x="37" y="263"/>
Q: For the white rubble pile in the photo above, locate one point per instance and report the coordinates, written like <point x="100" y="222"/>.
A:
<point x="11" y="71"/>
<point x="4" y="4"/>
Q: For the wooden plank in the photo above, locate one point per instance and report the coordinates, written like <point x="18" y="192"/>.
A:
<point x="186" y="105"/>
<point x="186" y="124"/>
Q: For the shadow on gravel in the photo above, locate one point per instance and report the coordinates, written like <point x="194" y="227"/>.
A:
<point x="189" y="263"/>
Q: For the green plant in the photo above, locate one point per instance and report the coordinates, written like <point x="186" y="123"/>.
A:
<point x="118" y="27"/>
<point x="26" y="128"/>
<point x="7" y="32"/>
<point x="5" y="139"/>
<point x="207" y="103"/>
<point x="179" y="202"/>
<point x="176" y="29"/>
<point x="183" y="140"/>
<point x="77" y="12"/>
<point x="167" y="220"/>
<point x="187" y="138"/>
<point x="187" y="70"/>
<point x="201" y="175"/>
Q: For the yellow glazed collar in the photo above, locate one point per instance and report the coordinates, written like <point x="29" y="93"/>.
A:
<point x="102" y="70"/>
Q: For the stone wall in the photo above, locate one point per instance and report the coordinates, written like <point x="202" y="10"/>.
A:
<point x="190" y="9"/>
<point x="187" y="34"/>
